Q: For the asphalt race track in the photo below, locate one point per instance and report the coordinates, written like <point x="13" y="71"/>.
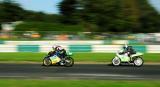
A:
<point x="79" y="71"/>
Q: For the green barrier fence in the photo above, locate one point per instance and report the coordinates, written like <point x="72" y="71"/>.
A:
<point x="140" y="48"/>
<point x="80" y="48"/>
<point x="133" y="42"/>
<point x="2" y="42"/>
<point x="28" y="48"/>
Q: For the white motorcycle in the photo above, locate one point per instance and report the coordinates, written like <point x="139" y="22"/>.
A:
<point x="135" y="59"/>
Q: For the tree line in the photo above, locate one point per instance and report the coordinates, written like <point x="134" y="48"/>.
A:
<point x="95" y="15"/>
<point x="11" y="11"/>
<point x="111" y="15"/>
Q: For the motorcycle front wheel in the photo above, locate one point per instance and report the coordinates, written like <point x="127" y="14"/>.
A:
<point x="138" y="61"/>
<point x="69" y="62"/>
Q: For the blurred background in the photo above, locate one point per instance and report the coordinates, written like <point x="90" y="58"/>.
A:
<point x="80" y="20"/>
<point x="92" y="29"/>
<point x="107" y="22"/>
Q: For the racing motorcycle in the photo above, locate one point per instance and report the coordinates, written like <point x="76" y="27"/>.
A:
<point x="67" y="61"/>
<point x="135" y="59"/>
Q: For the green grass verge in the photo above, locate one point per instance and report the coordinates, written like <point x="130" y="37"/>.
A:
<point x="77" y="83"/>
<point x="79" y="57"/>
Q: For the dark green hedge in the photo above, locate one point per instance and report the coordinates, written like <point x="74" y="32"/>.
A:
<point x="43" y="26"/>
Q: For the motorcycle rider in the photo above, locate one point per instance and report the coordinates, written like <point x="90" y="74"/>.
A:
<point x="127" y="50"/>
<point x="57" y="50"/>
<point x="61" y="52"/>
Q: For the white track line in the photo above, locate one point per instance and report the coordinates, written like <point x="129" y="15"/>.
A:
<point x="101" y="75"/>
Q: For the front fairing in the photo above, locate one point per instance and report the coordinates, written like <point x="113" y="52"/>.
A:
<point x="137" y="54"/>
<point x="55" y="59"/>
<point x="69" y="53"/>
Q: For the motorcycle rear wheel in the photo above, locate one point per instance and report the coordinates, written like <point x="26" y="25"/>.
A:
<point x="47" y="62"/>
<point x="116" y="61"/>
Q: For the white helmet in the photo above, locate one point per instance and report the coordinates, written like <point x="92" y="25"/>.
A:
<point x="125" y="46"/>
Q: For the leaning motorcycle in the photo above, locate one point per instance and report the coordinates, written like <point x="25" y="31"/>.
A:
<point x="135" y="59"/>
<point x="68" y="61"/>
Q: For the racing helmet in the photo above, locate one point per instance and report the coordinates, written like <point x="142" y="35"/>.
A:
<point x="55" y="47"/>
<point x="60" y="50"/>
<point x="125" y="46"/>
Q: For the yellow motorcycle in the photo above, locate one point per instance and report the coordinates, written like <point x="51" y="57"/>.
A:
<point x="67" y="61"/>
